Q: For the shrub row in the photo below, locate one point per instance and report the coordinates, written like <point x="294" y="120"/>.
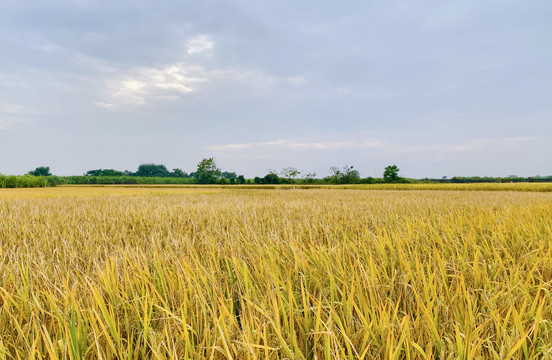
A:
<point x="116" y="180"/>
<point x="23" y="181"/>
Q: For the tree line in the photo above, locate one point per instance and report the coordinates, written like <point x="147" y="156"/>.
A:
<point x="207" y="172"/>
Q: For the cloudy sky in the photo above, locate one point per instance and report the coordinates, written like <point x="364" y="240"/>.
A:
<point x="436" y="87"/>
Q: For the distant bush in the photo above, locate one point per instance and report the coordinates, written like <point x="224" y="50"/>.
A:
<point x="104" y="172"/>
<point x="40" y="171"/>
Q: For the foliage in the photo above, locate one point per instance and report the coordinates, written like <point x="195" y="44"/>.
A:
<point x="290" y="173"/>
<point x="229" y="175"/>
<point x="23" y="181"/>
<point x="104" y="172"/>
<point x="270" y="178"/>
<point x="209" y="174"/>
<point x="207" y="171"/>
<point x="345" y="175"/>
<point x="179" y="173"/>
<point x="114" y="180"/>
<point x="309" y="178"/>
<point x="152" y="170"/>
<point x="41" y="171"/>
<point x="391" y="173"/>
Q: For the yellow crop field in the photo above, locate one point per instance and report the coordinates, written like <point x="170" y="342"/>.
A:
<point x="309" y="273"/>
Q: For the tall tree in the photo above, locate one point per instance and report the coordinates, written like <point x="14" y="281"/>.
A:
<point x="391" y="173"/>
<point x="207" y="171"/>
<point x="290" y="173"/>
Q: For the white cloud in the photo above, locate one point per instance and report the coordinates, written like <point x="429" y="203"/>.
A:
<point x="468" y="145"/>
<point x="172" y="82"/>
<point x="307" y="145"/>
<point x="199" y="44"/>
<point x="144" y="85"/>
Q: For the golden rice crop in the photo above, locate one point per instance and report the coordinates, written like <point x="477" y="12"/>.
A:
<point x="171" y="273"/>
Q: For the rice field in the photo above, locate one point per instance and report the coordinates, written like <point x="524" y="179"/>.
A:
<point x="248" y="273"/>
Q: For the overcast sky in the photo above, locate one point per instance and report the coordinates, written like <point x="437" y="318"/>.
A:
<point x="439" y="88"/>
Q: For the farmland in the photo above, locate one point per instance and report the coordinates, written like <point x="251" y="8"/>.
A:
<point x="276" y="273"/>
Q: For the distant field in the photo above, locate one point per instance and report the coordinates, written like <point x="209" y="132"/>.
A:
<point x="538" y="187"/>
<point x="541" y="187"/>
<point x="195" y="272"/>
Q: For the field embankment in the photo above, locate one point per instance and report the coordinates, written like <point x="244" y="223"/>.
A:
<point x="135" y="273"/>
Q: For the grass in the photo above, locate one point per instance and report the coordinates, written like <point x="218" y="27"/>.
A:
<point x="226" y="273"/>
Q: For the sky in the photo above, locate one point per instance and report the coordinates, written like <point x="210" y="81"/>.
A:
<point x="439" y="88"/>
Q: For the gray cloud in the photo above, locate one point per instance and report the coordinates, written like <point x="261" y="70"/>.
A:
<point x="177" y="81"/>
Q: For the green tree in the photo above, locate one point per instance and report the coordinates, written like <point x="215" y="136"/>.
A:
<point x="271" y="178"/>
<point x="290" y="173"/>
<point x="111" y="172"/>
<point x="207" y="171"/>
<point x="104" y="172"/>
<point x="229" y="175"/>
<point x="310" y="177"/>
<point x="95" y="172"/>
<point x="391" y="173"/>
<point x="152" y="170"/>
<point x="41" y="171"/>
<point x="179" y="173"/>
<point x="345" y="175"/>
